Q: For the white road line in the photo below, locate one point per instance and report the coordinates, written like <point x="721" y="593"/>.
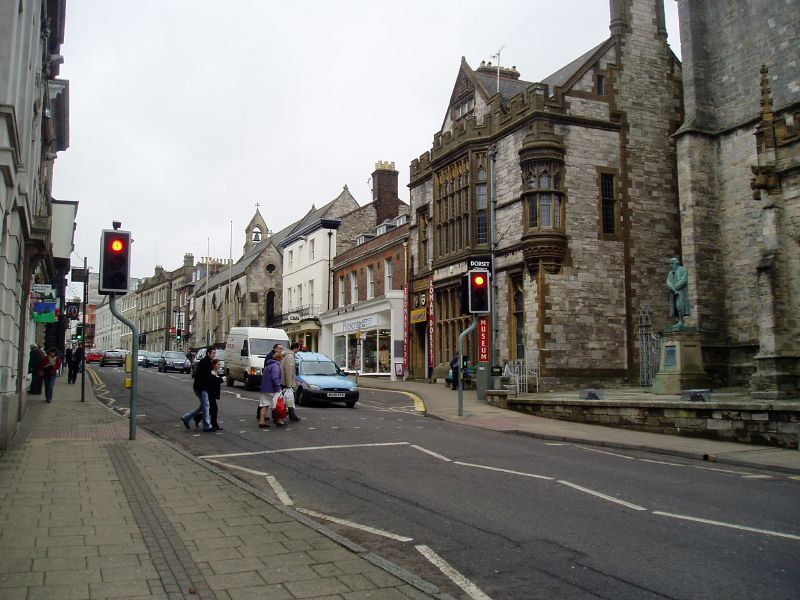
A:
<point x="605" y="452"/>
<point x="303" y="449"/>
<point x="731" y="525"/>
<point x="434" y="454"/>
<point x="237" y="467"/>
<point x="465" y="584"/>
<point x="279" y="491"/>
<point x="603" y="496"/>
<point x="662" y="462"/>
<point x="380" y="532"/>
<point x="757" y="477"/>
<point x="463" y="464"/>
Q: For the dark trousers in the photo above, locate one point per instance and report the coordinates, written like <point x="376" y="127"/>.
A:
<point x="72" y="376"/>
<point x="36" y="384"/>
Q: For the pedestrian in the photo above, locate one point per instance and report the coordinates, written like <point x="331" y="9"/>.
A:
<point x="454" y="370"/>
<point x="68" y="362"/>
<point x="77" y="363"/>
<point x="289" y="380"/>
<point x="52" y="364"/>
<point x="214" y="393"/>
<point x="35" y="366"/>
<point x="270" y="386"/>
<point x="202" y="383"/>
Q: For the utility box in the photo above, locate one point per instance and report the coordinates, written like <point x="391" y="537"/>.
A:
<point x="483" y="379"/>
<point x="696" y="395"/>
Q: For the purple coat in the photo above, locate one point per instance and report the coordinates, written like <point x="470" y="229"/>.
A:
<point x="271" y="377"/>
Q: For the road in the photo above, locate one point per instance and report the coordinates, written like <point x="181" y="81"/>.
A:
<point x="490" y="515"/>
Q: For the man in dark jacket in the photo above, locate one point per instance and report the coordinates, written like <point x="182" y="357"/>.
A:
<point x="35" y="368"/>
<point x="202" y="384"/>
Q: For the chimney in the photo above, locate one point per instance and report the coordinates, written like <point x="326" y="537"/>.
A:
<point x="159" y="270"/>
<point x="384" y="191"/>
<point x="188" y="259"/>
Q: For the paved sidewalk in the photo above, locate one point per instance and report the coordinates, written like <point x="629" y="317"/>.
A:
<point x="442" y="402"/>
<point x="86" y="513"/>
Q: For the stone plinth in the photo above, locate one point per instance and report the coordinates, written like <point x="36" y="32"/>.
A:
<point x="681" y="364"/>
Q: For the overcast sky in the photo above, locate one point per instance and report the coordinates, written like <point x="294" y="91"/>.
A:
<point x="185" y="114"/>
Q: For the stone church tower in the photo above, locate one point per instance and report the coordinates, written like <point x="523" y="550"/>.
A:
<point x="255" y="232"/>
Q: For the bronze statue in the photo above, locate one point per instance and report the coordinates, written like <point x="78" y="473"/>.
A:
<point x="677" y="282"/>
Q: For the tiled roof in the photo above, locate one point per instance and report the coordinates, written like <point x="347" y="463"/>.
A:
<point x="560" y="77"/>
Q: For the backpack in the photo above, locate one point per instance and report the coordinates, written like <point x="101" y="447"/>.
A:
<point x="279" y="412"/>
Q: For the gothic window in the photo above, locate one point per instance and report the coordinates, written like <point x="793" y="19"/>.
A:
<point x="545" y="202"/>
<point x="270" y="306"/>
<point x="517" y="317"/>
<point x="452" y="212"/>
<point x="607" y="204"/>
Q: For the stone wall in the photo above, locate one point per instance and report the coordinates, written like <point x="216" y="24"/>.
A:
<point x="762" y="423"/>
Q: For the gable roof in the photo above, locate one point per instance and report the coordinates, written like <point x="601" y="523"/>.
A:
<point x="567" y="72"/>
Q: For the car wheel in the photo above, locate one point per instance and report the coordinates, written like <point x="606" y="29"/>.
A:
<point x="298" y="397"/>
<point x="350" y="404"/>
<point x="228" y="379"/>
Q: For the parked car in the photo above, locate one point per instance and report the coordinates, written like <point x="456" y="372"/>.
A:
<point x="113" y="357"/>
<point x="94" y="355"/>
<point x="150" y="358"/>
<point x="201" y="353"/>
<point x="174" y="360"/>
<point x="319" y="378"/>
<point x="247" y="347"/>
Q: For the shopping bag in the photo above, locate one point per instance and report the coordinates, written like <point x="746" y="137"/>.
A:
<point x="279" y="412"/>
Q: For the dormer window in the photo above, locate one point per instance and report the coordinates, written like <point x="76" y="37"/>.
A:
<point x="381" y="230"/>
<point x="401" y="220"/>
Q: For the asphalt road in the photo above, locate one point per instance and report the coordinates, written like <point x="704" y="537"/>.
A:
<point x="512" y="516"/>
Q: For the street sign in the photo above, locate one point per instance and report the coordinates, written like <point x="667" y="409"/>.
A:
<point x="483" y="339"/>
<point x="78" y="275"/>
<point x="479" y="263"/>
<point x="42" y="288"/>
<point x="73" y="310"/>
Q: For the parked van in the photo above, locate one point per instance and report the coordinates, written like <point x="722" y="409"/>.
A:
<point x="245" y="351"/>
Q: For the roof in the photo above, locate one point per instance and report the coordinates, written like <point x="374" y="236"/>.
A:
<point x="560" y="77"/>
<point x="508" y="87"/>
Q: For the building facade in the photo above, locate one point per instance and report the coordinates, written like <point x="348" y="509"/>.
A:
<point x="580" y="169"/>
<point x="157" y="312"/>
<point x="739" y="186"/>
<point x="34" y="127"/>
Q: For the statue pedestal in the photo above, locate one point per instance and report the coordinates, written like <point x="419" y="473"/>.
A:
<point x="681" y="366"/>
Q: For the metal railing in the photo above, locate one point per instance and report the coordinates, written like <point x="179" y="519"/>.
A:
<point x="520" y="374"/>
<point x="295" y="314"/>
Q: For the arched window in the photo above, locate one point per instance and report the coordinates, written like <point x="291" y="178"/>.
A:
<point x="270" y="307"/>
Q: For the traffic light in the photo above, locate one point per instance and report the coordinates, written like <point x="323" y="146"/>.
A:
<point x="79" y="333"/>
<point x="177" y="334"/>
<point x="115" y="261"/>
<point x="479" y="292"/>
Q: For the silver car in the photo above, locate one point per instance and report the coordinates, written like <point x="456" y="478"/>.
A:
<point x="113" y="357"/>
<point x="174" y="360"/>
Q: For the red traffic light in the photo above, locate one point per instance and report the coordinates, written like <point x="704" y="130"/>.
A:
<point x="117" y="245"/>
<point x="479" y="280"/>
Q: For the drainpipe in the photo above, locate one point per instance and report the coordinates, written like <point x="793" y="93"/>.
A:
<point x="330" y="275"/>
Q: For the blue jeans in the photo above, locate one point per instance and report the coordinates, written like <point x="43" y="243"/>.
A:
<point x="202" y="409"/>
<point x="49" y="382"/>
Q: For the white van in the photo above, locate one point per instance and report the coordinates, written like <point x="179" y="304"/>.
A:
<point x="245" y="351"/>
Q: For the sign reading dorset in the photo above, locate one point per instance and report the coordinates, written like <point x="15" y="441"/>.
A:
<point x="479" y="262"/>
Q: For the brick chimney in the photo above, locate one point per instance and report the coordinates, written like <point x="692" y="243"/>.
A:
<point x="384" y="191"/>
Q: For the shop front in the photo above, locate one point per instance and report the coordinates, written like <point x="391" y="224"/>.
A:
<point x="369" y="340"/>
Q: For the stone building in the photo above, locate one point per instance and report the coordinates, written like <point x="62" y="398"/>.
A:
<point x="36" y="234"/>
<point x="156" y="307"/>
<point x="583" y="168"/>
<point x="739" y="186"/>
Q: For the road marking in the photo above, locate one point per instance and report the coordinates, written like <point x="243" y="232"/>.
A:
<point x="465" y="584"/>
<point x="662" y="462"/>
<point x="237" y="467"/>
<point x="731" y="525"/>
<point x="434" y="454"/>
<point x="603" y="496"/>
<point x="757" y="477"/>
<point x="554" y="444"/>
<point x="605" y="452"/>
<point x="419" y="405"/>
<point x="463" y="464"/>
<point x="279" y="491"/>
<point x="380" y="532"/>
<point x="304" y="449"/>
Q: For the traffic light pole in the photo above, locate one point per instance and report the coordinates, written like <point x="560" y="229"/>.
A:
<point x="112" y="302"/>
<point x="461" y="337"/>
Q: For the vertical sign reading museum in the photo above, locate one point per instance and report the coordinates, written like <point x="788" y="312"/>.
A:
<point x="430" y="323"/>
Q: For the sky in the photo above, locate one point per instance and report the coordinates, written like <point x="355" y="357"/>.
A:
<point x="184" y="114"/>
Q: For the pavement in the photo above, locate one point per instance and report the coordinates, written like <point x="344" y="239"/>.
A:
<point x="86" y="513"/>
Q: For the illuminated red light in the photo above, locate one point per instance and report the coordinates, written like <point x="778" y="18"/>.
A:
<point x="117" y="245"/>
<point x="479" y="280"/>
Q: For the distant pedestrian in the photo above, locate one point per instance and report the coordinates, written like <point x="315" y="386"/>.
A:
<point x="454" y="371"/>
<point x="289" y="380"/>
<point x="214" y="393"/>
<point x="68" y="362"/>
<point x="35" y="368"/>
<point x="77" y="363"/>
<point x="202" y="383"/>
<point x="270" y="386"/>
<point x="52" y="364"/>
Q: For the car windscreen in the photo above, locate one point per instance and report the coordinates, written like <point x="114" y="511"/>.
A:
<point x="317" y="368"/>
<point x="262" y="347"/>
<point x="220" y="354"/>
<point x="175" y="355"/>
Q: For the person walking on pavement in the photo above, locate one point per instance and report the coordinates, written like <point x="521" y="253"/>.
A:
<point x="35" y="364"/>
<point x="50" y="368"/>
<point x="289" y="379"/>
<point x="68" y="361"/>
<point x="270" y="387"/>
<point x="202" y="384"/>
<point x="214" y="393"/>
<point x="76" y="366"/>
